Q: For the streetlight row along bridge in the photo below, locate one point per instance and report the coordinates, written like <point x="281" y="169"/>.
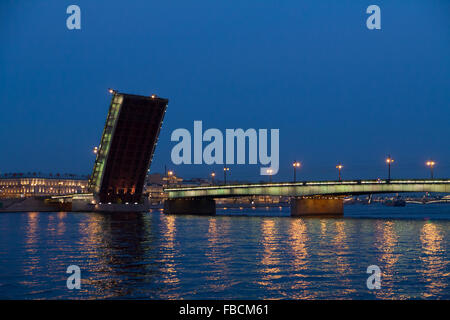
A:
<point x="307" y="197"/>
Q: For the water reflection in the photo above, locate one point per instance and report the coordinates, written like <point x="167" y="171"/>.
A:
<point x="386" y="240"/>
<point x="298" y="238"/>
<point x="298" y="235"/>
<point x="219" y="260"/>
<point x="213" y="252"/>
<point x="115" y="248"/>
<point x="169" y="251"/>
<point x="32" y="262"/>
<point x="323" y="227"/>
<point x="341" y="250"/>
<point x="61" y="228"/>
<point x="270" y="259"/>
<point x="170" y="257"/>
<point x="434" y="265"/>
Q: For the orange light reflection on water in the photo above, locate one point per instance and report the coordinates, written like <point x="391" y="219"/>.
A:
<point x="386" y="240"/>
<point x="434" y="267"/>
<point x="169" y="252"/>
<point x="270" y="259"/>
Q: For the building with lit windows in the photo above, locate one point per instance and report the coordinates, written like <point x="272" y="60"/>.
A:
<point x="35" y="186"/>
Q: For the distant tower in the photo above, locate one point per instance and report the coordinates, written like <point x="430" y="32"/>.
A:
<point x="126" y="149"/>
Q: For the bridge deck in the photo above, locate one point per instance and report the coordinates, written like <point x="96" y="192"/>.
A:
<point x="313" y="188"/>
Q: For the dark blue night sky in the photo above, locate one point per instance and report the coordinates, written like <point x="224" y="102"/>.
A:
<point x="337" y="91"/>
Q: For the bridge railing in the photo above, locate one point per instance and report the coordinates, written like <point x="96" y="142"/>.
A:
<point x="311" y="188"/>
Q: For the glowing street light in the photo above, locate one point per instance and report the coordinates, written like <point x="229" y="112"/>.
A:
<point x="169" y="177"/>
<point x="339" y="167"/>
<point x="296" y="165"/>
<point x="95" y="150"/>
<point x="225" y="170"/>
<point x="269" y="172"/>
<point x="112" y="91"/>
<point x="389" y="160"/>
<point x="431" y="164"/>
<point x="212" y="178"/>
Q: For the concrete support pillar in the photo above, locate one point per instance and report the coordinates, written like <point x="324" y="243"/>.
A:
<point x="201" y="206"/>
<point x="317" y="207"/>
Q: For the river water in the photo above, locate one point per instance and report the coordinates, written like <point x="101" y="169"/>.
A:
<point x="256" y="254"/>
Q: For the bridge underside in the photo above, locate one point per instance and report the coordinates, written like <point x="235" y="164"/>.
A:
<point x="198" y="206"/>
<point x="317" y="207"/>
<point x="299" y="206"/>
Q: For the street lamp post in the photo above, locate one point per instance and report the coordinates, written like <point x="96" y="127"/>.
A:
<point x="212" y="178"/>
<point x="431" y="164"/>
<point x="389" y="160"/>
<point x="339" y="167"/>
<point x="225" y="169"/>
<point x="296" y="165"/>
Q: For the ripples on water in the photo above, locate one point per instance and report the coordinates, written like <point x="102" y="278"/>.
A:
<point x="161" y="256"/>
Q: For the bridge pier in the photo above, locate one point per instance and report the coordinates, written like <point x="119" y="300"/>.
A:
<point x="316" y="207"/>
<point x="199" y="206"/>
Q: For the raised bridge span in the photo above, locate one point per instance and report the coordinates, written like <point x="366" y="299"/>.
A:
<point x="308" y="197"/>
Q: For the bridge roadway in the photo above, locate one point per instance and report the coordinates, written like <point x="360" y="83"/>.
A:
<point x="308" y="197"/>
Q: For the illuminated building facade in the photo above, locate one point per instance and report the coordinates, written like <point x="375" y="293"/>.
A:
<point x="29" y="187"/>
<point x="127" y="146"/>
<point x="155" y="184"/>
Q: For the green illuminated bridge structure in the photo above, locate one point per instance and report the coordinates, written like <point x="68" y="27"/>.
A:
<point x="308" y="198"/>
